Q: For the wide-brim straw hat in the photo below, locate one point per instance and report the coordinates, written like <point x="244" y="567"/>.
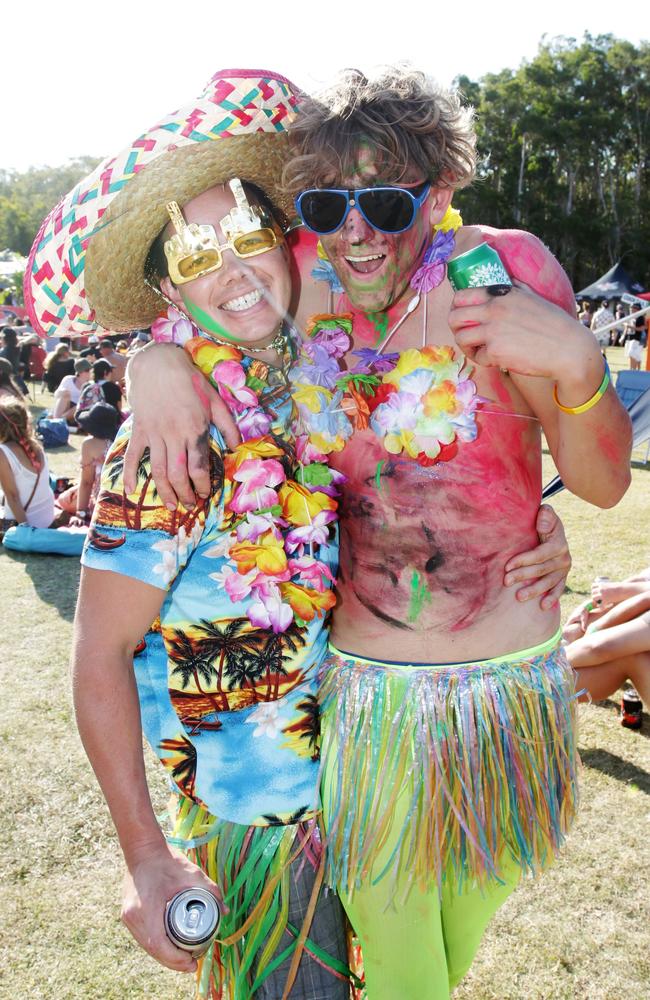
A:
<point x="86" y="267"/>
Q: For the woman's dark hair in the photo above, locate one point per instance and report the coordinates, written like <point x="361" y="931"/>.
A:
<point x="7" y="378"/>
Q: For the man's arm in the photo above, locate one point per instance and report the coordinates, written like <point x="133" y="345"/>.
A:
<point x="173" y="406"/>
<point x="534" y="334"/>
<point x="113" y="613"/>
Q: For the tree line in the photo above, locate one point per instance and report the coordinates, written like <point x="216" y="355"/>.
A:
<point x="563" y="152"/>
<point x="563" y="144"/>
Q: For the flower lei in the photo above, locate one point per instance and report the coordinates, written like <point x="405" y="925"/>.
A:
<point x="420" y="401"/>
<point x="279" y="503"/>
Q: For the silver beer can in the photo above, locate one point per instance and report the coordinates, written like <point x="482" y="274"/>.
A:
<point x="191" y="920"/>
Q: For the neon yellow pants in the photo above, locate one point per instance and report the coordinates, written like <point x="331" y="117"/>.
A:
<point x="441" y="785"/>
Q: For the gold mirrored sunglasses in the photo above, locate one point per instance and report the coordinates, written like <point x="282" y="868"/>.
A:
<point x="194" y="250"/>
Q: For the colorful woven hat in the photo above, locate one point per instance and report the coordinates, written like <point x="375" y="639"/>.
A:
<point x="86" y="267"/>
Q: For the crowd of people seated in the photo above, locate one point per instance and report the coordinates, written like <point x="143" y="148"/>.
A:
<point x="87" y="390"/>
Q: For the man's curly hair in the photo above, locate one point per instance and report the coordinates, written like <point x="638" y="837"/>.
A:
<point x="402" y="116"/>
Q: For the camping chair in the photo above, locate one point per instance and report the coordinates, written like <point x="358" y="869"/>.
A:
<point x="633" y="388"/>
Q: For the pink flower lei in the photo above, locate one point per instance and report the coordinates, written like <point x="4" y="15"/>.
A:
<point x="279" y="501"/>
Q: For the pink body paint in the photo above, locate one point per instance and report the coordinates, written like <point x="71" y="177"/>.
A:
<point x="455" y="524"/>
<point x="525" y="257"/>
<point x="610" y="447"/>
<point x="198" y="384"/>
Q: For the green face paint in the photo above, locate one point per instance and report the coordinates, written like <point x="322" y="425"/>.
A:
<point x="205" y="321"/>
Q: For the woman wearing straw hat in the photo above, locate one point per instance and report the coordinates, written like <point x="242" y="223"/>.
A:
<point x="205" y="243"/>
<point x="226" y="676"/>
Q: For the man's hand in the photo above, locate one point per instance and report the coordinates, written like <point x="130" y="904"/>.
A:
<point x="173" y="406"/>
<point x="524" y="333"/>
<point x="544" y="569"/>
<point x="152" y="880"/>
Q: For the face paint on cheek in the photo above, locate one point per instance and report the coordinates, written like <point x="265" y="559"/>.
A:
<point x="205" y="321"/>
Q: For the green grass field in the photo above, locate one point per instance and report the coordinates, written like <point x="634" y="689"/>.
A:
<point x="582" y="932"/>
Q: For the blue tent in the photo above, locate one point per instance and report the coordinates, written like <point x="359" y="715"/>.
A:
<point x="612" y="285"/>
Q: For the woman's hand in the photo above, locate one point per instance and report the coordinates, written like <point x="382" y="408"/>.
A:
<point x="544" y="569"/>
<point x="173" y="406"/>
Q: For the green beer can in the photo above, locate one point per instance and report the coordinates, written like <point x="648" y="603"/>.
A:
<point x="477" y="268"/>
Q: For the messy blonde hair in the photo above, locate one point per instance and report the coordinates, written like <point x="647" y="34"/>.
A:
<point x="401" y="115"/>
<point x="16" y="428"/>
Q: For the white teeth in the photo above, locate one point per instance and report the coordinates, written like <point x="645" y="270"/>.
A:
<point x="373" y="256"/>
<point x="243" y="302"/>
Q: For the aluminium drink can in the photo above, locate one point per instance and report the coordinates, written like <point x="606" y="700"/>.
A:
<point x="191" y="920"/>
<point x="477" y="268"/>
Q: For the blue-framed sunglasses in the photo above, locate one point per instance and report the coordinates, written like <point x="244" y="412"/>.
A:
<point x="389" y="209"/>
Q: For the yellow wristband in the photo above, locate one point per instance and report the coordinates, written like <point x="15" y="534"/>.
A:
<point x="599" y="393"/>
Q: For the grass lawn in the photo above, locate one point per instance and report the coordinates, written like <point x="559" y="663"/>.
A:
<point x="582" y="932"/>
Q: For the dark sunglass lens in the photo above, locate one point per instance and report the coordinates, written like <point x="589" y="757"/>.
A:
<point x="387" y="209"/>
<point x="323" y="211"/>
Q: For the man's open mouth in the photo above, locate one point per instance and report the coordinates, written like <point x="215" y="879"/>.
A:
<point x="366" y="263"/>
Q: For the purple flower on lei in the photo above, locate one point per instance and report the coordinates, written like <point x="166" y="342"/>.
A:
<point x="253" y="423"/>
<point x="433" y="267"/>
<point x="369" y="358"/>
<point x="174" y="328"/>
<point x="335" y="340"/>
<point x="323" y="370"/>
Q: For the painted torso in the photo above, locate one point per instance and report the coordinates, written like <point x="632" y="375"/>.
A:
<point x="423" y="549"/>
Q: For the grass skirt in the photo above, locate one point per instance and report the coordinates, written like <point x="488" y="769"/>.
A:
<point x="251" y="865"/>
<point x="455" y="768"/>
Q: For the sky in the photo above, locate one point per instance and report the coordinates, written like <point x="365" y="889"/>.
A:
<point x="88" y="77"/>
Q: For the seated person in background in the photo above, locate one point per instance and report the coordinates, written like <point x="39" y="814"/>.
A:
<point x="11" y="352"/>
<point x="605" y="594"/>
<point x="119" y="361"/>
<point x="103" y="389"/>
<point x="57" y="364"/>
<point x="9" y="388"/>
<point x="68" y="392"/>
<point x="32" y="356"/>
<point x="27" y="496"/>
<point x="615" y="646"/>
<point x="100" y="423"/>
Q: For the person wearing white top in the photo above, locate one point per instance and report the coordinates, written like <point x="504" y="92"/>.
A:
<point x="67" y="395"/>
<point x="26" y="494"/>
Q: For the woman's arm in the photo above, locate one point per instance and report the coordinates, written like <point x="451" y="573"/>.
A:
<point x="113" y="612"/>
<point x="87" y="476"/>
<point x="8" y="487"/>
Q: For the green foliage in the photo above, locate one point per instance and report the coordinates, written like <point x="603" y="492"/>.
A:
<point x="26" y="198"/>
<point x="563" y="144"/>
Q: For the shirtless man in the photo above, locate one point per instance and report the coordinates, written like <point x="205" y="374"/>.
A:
<point x="449" y="750"/>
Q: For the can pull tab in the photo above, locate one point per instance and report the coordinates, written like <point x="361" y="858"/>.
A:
<point x="195" y="911"/>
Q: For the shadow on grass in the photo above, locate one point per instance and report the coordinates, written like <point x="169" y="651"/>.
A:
<point x="616" y="767"/>
<point x="55" y="579"/>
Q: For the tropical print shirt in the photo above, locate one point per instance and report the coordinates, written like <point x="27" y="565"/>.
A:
<point x="229" y="707"/>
